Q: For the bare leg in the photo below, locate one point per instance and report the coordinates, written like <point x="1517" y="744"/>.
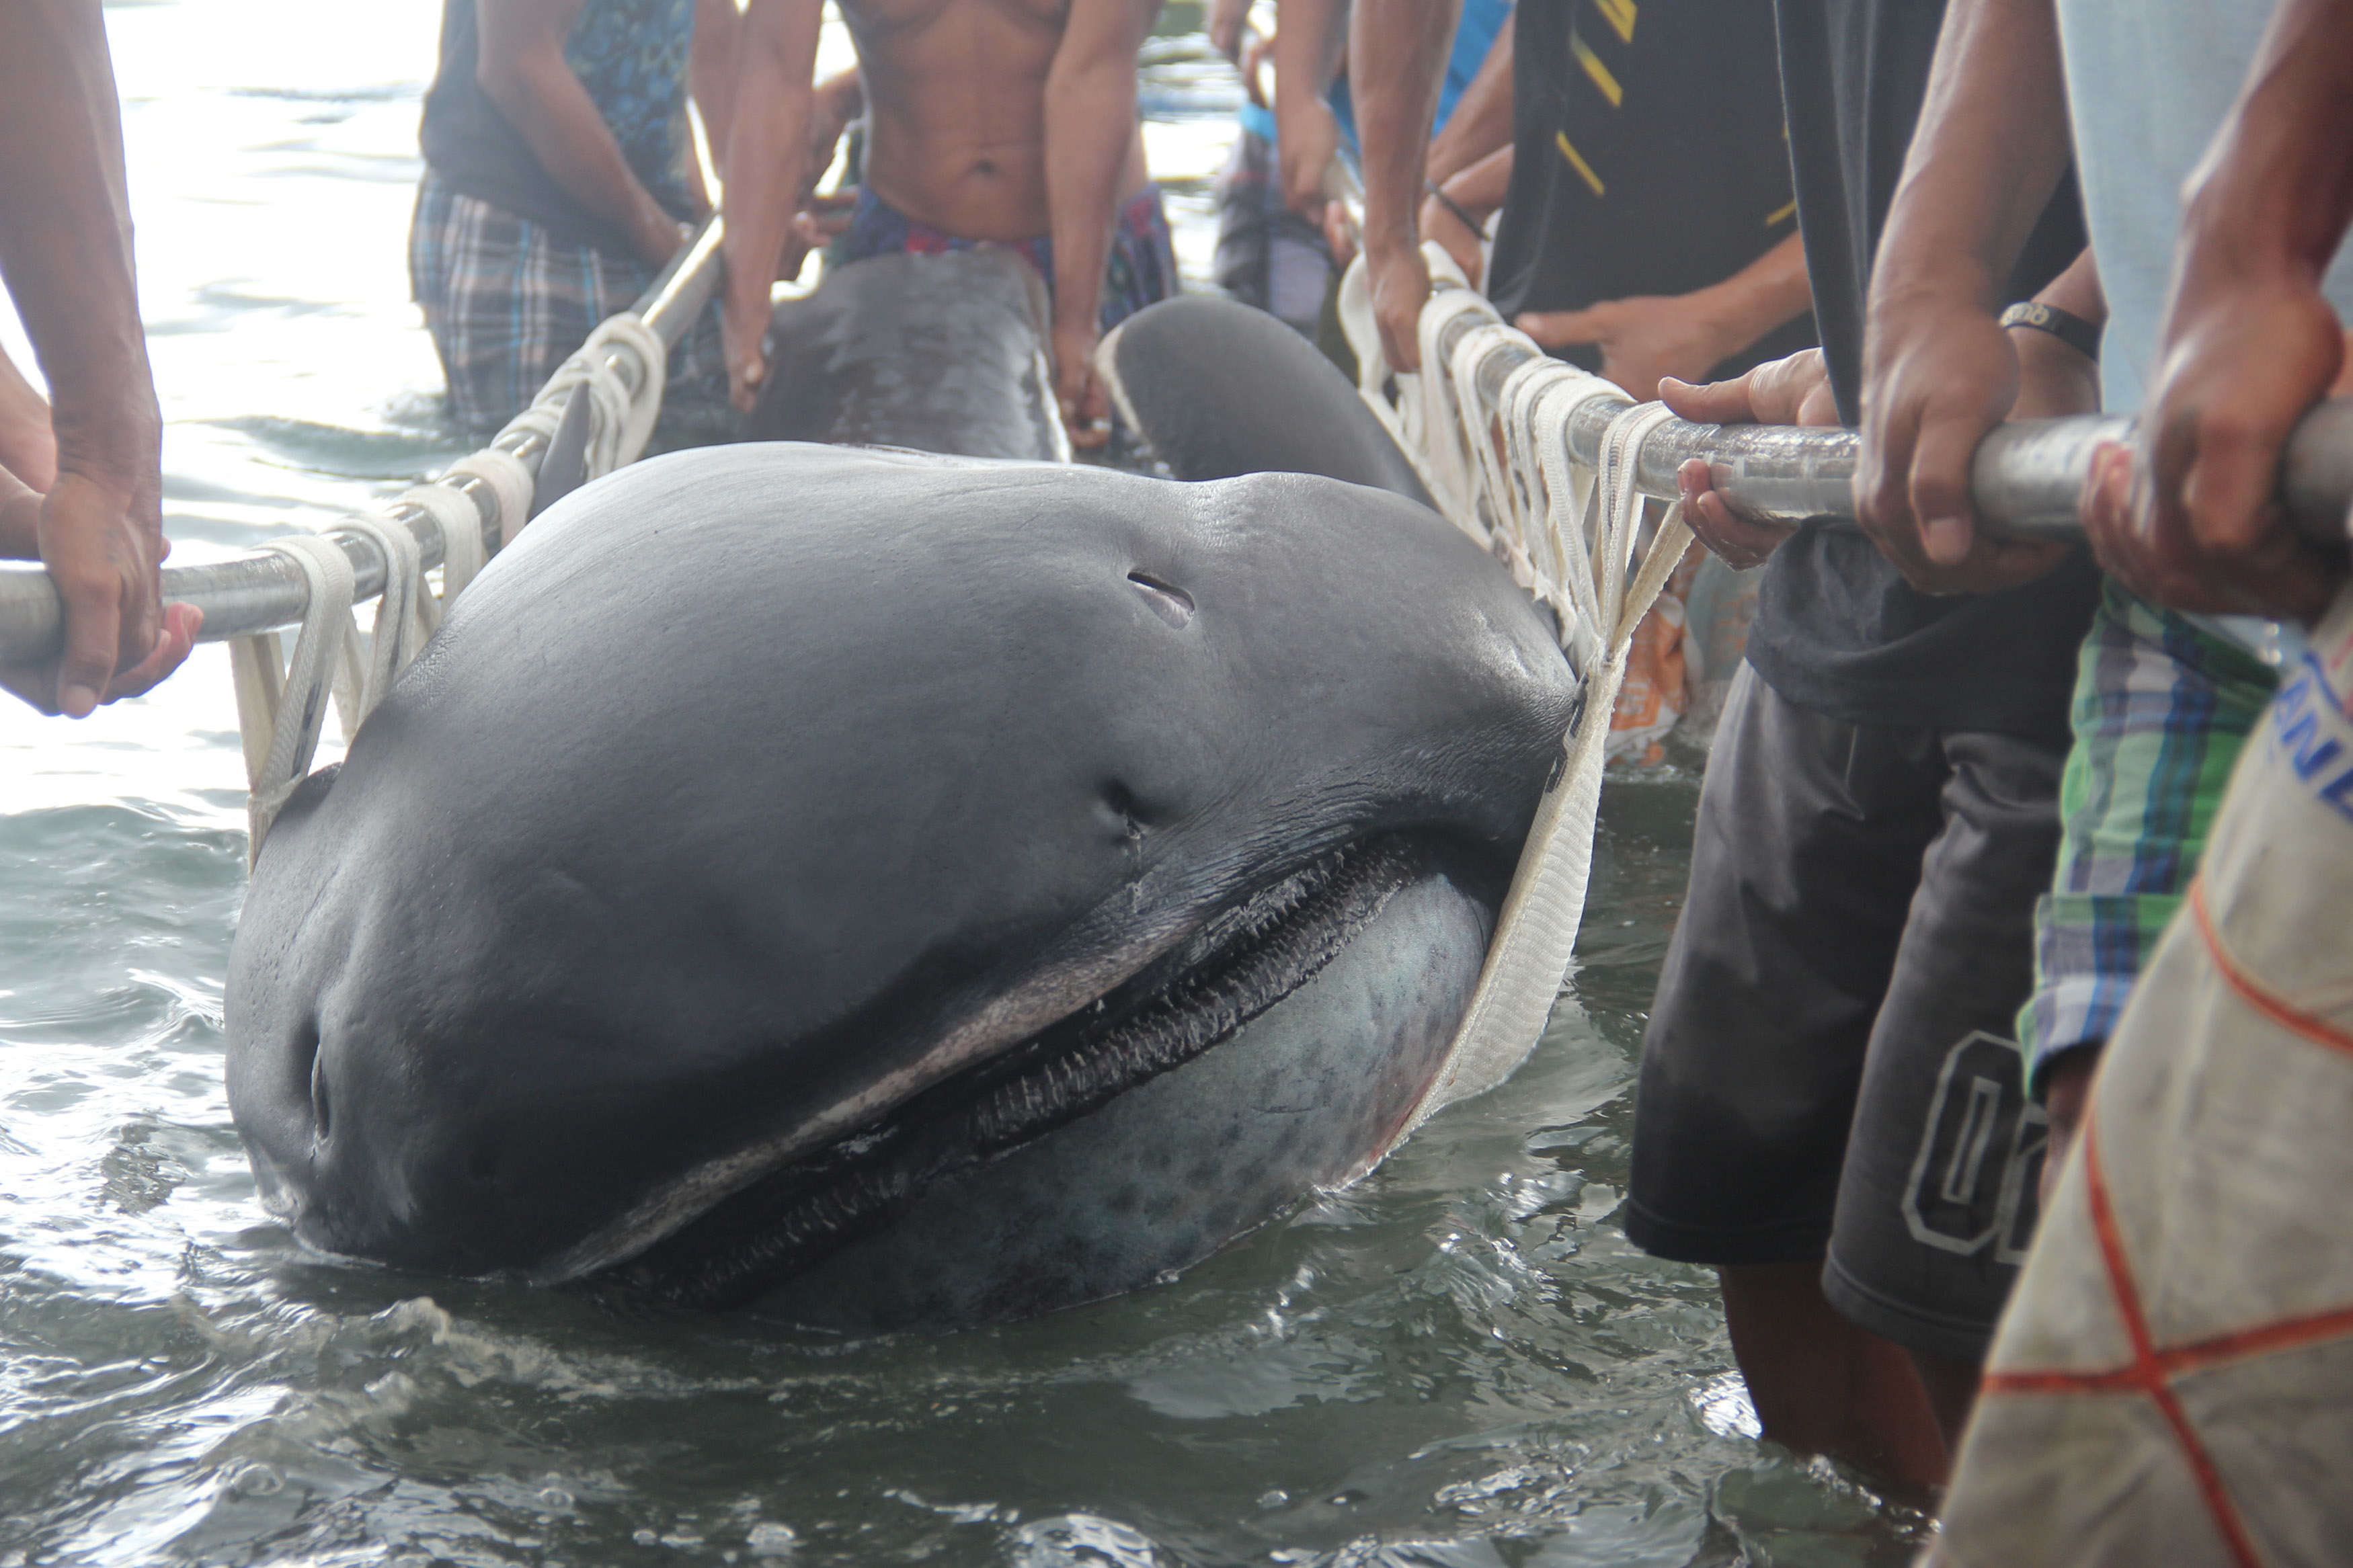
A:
<point x="1952" y="1390"/>
<point x="1821" y="1385"/>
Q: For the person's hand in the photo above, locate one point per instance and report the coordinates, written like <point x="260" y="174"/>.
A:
<point x="1643" y="339"/>
<point x="1341" y="236"/>
<point x="1227" y="19"/>
<point x="1792" y="391"/>
<point x="1255" y="56"/>
<point x="1400" y="283"/>
<point x="2054" y="379"/>
<point x="744" y="319"/>
<point x="2194" y="522"/>
<point x="1937" y="376"/>
<point x="1310" y="140"/>
<point x="744" y="314"/>
<point x="659" y="237"/>
<point x="826" y="219"/>
<point x="1460" y="239"/>
<point x="28" y="447"/>
<point x="103" y="545"/>
<point x="20" y="517"/>
<point x="1084" y="401"/>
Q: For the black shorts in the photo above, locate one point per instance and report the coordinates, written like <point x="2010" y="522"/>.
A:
<point x="1829" y="1068"/>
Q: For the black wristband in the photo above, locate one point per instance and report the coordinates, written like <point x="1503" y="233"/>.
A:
<point x="2065" y="325"/>
<point x="1461" y="214"/>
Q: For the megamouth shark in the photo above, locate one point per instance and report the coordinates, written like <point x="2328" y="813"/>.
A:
<point x="883" y="890"/>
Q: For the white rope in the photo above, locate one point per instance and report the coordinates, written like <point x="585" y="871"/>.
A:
<point x="619" y="423"/>
<point x="1501" y="470"/>
<point x="465" y="547"/>
<point x="371" y="663"/>
<point x="281" y="708"/>
<point x="1356" y="321"/>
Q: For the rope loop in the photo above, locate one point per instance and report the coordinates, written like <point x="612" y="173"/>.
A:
<point x="464" y="549"/>
<point x="619" y="423"/>
<point x="371" y="664"/>
<point x="282" y="706"/>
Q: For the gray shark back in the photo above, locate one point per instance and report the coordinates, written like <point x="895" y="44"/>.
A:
<point x="941" y="353"/>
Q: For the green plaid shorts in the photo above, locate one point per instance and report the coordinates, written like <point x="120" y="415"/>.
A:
<point x="2161" y="708"/>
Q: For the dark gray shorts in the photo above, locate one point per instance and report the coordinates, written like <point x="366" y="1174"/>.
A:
<point x="1829" y="1070"/>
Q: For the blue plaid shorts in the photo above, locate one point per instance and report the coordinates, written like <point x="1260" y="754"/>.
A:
<point x="507" y="302"/>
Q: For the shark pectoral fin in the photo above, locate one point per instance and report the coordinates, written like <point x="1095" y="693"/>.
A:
<point x="565" y="466"/>
<point x="1219" y="389"/>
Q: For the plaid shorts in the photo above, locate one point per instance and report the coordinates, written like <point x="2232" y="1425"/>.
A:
<point x="506" y="303"/>
<point x="1140" y="271"/>
<point x="1268" y="257"/>
<point x="2161" y="708"/>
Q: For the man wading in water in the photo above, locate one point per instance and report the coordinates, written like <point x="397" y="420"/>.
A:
<point x="1003" y="121"/>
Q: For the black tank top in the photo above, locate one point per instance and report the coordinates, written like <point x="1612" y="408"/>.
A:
<point x="1837" y="629"/>
<point x="630" y="56"/>
<point x="1648" y="157"/>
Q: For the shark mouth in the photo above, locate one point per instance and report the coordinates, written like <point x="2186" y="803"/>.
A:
<point x="1246" y="961"/>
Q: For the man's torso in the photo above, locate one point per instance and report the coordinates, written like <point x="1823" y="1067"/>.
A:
<point x="956" y="97"/>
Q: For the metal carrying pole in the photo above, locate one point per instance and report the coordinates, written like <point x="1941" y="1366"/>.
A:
<point x="2025" y="479"/>
<point x="258" y="593"/>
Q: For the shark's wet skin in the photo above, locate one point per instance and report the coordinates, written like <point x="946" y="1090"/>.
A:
<point x="991" y="886"/>
<point x="884" y="889"/>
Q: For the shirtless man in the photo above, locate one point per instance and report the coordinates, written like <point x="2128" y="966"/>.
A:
<point x="1010" y="122"/>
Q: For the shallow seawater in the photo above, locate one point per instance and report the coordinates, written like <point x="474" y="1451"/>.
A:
<point x="1460" y="1362"/>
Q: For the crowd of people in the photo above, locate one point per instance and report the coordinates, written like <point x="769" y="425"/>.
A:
<point x="1967" y="785"/>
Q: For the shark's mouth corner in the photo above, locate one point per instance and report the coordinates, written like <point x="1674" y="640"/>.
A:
<point x="1245" y="960"/>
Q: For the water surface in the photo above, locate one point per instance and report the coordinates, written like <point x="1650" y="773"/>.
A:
<point x="1460" y="1363"/>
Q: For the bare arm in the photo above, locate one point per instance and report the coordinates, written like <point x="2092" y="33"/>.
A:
<point x="1456" y="213"/>
<point x="2054" y="378"/>
<point x="1991" y="146"/>
<point x="1090" y="125"/>
<point x="2249" y="341"/>
<point x="767" y="154"/>
<point x="1480" y="125"/>
<point x="1396" y="55"/>
<point x="711" y="71"/>
<point x="521" y="67"/>
<point x="1307" y="41"/>
<point x="1226" y="20"/>
<point x="65" y="252"/>
<point x="1647" y="338"/>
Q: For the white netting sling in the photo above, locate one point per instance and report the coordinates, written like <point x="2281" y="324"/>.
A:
<point x="281" y="697"/>
<point x="1499" y="467"/>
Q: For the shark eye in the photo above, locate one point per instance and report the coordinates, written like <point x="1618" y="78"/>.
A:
<point x="1170" y="603"/>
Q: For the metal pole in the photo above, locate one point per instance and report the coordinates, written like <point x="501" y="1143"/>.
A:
<point x="2025" y="479"/>
<point x="257" y="593"/>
